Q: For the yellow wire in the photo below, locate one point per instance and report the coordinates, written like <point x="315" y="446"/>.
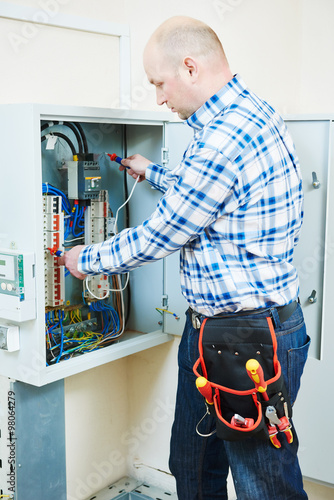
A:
<point x="160" y="309"/>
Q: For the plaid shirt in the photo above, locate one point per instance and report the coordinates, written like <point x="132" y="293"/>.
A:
<point x="233" y="206"/>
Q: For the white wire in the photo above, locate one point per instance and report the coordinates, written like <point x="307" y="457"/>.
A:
<point x="91" y="293"/>
<point x="74" y="239"/>
<point x="121" y="289"/>
<point x="122" y="302"/>
<point x="122" y="312"/>
<point x="126" y="201"/>
<point x="86" y="287"/>
<point x="127" y="274"/>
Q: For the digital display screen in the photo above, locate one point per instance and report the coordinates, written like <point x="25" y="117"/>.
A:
<point x="7" y="266"/>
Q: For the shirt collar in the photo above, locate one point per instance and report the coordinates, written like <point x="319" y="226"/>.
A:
<point x="217" y="103"/>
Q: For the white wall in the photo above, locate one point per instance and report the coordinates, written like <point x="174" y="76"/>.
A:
<point x="282" y="48"/>
<point x="317" y="68"/>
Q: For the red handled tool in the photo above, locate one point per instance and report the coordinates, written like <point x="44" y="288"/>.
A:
<point x="117" y="159"/>
<point x="114" y="157"/>
<point x="282" y="423"/>
<point x="286" y="428"/>
<point x="273" y="435"/>
<point x="55" y="251"/>
<point x="239" y="421"/>
<point x="255" y="372"/>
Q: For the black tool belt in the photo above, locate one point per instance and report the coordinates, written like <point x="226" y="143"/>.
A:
<point x="284" y="313"/>
<point x="240" y="377"/>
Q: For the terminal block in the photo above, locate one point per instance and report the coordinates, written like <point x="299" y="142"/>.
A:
<point x="53" y="236"/>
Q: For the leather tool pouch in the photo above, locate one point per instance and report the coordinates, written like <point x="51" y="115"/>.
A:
<point x="232" y="397"/>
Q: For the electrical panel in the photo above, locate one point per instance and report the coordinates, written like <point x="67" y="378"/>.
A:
<point x="68" y="190"/>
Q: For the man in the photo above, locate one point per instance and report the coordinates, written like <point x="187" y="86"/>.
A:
<point x="234" y="208"/>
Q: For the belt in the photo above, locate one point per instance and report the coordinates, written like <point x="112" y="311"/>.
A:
<point x="284" y="313"/>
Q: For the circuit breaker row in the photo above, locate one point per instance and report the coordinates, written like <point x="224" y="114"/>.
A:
<point x="53" y="234"/>
<point x="96" y="223"/>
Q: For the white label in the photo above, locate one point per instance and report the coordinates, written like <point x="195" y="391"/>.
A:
<point x="51" y="141"/>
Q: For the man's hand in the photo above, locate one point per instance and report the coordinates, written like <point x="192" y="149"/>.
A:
<point x="136" y="166"/>
<point x="70" y="261"/>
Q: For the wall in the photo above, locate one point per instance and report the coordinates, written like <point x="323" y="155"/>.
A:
<point x="317" y="68"/>
<point x="281" y="49"/>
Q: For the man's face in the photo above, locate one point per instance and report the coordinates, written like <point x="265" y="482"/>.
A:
<point x="173" y="86"/>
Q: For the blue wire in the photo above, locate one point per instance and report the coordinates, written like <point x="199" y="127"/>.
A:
<point x="61" y="317"/>
<point x="48" y="188"/>
<point x="76" y="222"/>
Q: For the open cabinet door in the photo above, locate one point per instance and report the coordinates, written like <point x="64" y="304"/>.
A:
<point x="315" y="264"/>
<point x="177" y="138"/>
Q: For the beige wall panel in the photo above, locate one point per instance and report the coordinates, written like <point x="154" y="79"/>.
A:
<point x="57" y="66"/>
<point x="317" y="75"/>
<point x="97" y="416"/>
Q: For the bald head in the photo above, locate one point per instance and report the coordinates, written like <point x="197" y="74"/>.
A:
<point x="190" y="51"/>
<point x="179" y="37"/>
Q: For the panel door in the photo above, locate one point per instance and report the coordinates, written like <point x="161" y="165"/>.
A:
<point x="177" y="138"/>
<point x="311" y="139"/>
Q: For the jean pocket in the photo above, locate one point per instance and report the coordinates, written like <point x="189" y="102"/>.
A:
<point x="296" y="361"/>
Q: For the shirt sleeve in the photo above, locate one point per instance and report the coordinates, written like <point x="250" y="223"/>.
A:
<point x="194" y="195"/>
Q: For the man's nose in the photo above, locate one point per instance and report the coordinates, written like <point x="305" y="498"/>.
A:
<point x="160" y="97"/>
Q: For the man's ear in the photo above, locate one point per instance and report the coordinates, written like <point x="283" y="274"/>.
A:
<point x="191" y="67"/>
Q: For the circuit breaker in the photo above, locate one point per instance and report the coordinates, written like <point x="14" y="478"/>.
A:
<point x="67" y="191"/>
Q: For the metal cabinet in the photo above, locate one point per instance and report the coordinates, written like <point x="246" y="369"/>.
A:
<point x="26" y="164"/>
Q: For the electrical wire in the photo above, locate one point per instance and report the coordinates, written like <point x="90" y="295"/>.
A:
<point x="69" y="125"/>
<point x="80" y="238"/>
<point x="126" y="201"/>
<point x="64" y="137"/>
<point x="91" y="293"/>
<point x="127" y="212"/>
<point x="161" y="310"/>
<point x="83" y="136"/>
<point x="73" y="218"/>
<point x="62" y="345"/>
<point x="49" y="189"/>
<point x="124" y="287"/>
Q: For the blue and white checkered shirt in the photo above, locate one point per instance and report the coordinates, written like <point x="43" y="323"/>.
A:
<point x="233" y="206"/>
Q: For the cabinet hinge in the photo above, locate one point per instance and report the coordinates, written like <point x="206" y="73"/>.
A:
<point x="164" y="156"/>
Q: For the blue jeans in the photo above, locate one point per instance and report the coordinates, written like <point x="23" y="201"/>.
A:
<point x="259" y="470"/>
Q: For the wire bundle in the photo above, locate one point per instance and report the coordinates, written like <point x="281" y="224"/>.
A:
<point x="77" y="131"/>
<point x="63" y="344"/>
<point x="110" y="318"/>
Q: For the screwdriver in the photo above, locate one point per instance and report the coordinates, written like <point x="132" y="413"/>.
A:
<point x="114" y="157"/>
<point x="55" y="251"/>
<point x="255" y="372"/>
<point x="204" y="388"/>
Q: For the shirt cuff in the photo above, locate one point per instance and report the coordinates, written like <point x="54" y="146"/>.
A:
<point x="89" y="259"/>
<point x="156" y="176"/>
